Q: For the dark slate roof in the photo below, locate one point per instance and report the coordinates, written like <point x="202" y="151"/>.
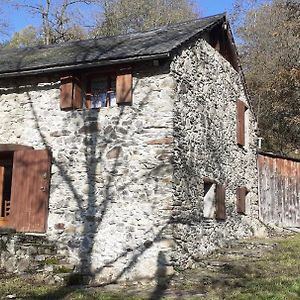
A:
<point x="103" y="51"/>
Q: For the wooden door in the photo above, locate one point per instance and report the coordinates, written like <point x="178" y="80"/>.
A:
<point x="2" y="169"/>
<point x="30" y="190"/>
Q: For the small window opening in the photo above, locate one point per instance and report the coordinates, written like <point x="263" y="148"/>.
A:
<point x="209" y="207"/>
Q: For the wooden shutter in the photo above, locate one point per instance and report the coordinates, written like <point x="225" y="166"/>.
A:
<point x="77" y="94"/>
<point x="241" y="200"/>
<point x="220" y="202"/>
<point x="70" y="93"/>
<point x="124" y="88"/>
<point x="30" y="190"/>
<point x="2" y="170"/>
<point x="241" y="122"/>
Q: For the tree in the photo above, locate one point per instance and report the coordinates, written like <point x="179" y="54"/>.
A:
<point x="270" y="53"/>
<point x="27" y="37"/>
<point x="60" y="20"/>
<point x="3" y="24"/>
<point x="125" y="16"/>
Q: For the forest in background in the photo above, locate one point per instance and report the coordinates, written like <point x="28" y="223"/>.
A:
<point x="267" y="35"/>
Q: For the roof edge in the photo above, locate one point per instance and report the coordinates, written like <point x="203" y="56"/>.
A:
<point x="84" y="65"/>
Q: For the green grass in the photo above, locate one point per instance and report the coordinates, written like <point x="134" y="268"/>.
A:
<point x="273" y="276"/>
<point x="33" y="290"/>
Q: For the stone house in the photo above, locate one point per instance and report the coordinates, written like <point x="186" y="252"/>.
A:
<point x="124" y="156"/>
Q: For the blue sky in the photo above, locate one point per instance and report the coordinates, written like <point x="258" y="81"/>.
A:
<point x="19" y="19"/>
<point x="211" y="7"/>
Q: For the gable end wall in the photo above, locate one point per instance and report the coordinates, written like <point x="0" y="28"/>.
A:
<point x="205" y="146"/>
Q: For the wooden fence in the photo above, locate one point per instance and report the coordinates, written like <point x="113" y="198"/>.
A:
<point x="279" y="190"/>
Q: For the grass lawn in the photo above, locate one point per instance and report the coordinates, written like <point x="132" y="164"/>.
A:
<point x="274" y="275"/>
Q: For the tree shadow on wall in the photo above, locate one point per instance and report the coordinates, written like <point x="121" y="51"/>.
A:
<point x="91" y="211"/>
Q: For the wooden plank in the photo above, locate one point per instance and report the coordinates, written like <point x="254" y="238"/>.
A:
<point x="30" y="190"/>
<point x="66" y="92"/>
<point x="2" y="172"/>
<point x="279" y="190"/>
<point x="124" y="88"/>
<point x="241" y="200"/>
<point x="77" y="94"/>
<point x="279" y="201"/>
<point x="220" y="202"/>
<point x="297" y="192"/>
<point x="13" y="147"/>
<point x="240" y="123"/>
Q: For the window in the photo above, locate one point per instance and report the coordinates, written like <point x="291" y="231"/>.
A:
<point x="101" y="92"/>
<point x="209" y="208"/>
<point x="24" y="188"/>
<point x="96" y="91"/>
<point x="241" y="194"/>
<point x="242" y="125"/>
<point x="214" y="200"/>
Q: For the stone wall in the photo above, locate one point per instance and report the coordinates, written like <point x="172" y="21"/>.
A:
<point x="126" y="196"/>
<point x="111" y="186"/>
<point x="205" y="146"/>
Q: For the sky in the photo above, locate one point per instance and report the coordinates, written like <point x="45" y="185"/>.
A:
<point x="19" y="19"/>
<point x="211" y="7"/>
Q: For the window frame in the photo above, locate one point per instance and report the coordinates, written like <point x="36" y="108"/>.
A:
<point x="83" y="81"/>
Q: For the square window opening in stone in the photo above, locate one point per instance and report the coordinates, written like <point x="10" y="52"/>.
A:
<point x="209" y="200"/>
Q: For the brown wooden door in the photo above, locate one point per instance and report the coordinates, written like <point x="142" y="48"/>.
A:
<point x="30" y="190"/>
<point x="2" y="170"/>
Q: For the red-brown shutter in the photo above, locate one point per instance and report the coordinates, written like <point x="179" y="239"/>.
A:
<point x="220" y="202"/>
<point x="241" y="122"/>
<point x="30" y="190"/>
<point x="241" y="200"/>
<point x="70" y="93"/>
<point x="66" y="92"/>
<point x="2" y="170"/>
<point x="124" y="88"/>
<point x="77" y="94"/>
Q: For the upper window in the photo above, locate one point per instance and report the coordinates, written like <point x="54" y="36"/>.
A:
<point x="102" y="92"/>
<point x="96" y="91"/>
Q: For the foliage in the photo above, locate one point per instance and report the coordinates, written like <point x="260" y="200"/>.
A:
<point x="27" y="37"/>
<point x="60" y="20"/>
<point x="3" y="24"/>
<point x="125" y="16"/>
<point x="270" y="54"/>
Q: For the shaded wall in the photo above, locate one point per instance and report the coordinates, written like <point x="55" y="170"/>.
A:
<point x="206" y="147"/>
